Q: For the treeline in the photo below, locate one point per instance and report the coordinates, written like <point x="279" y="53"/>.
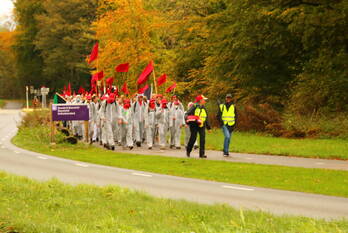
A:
<point x="290" y="54"/>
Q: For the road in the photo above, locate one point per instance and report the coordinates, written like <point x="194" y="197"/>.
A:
<point x="42" y="167"/>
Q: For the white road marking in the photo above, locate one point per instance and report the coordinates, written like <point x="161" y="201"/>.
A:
<point x="40" y="157"/>
<point x="237" y="188"/>
<point x="320" y="163"/>
<point x="17" y="152"/>
<point x="249" y="158"/>
<point x="81" y="165"/>
<point x="140" y="174"/>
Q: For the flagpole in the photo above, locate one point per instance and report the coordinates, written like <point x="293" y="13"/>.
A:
<point x="154" y="80"/>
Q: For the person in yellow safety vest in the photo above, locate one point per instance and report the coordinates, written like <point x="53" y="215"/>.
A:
<point x="200" y="122"/>
<point x="227" y="118"/>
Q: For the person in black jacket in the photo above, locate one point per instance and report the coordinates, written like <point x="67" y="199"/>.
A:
<point x="197" y="118"/>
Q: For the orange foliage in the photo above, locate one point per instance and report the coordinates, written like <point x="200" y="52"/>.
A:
<point x="124" y="29"/>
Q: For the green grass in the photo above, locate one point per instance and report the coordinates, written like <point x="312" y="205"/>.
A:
<point x="2" y="103"/>
<point x="260" y="144"/>
<point x="320" y="181"/>
<point x="32" y="207"/>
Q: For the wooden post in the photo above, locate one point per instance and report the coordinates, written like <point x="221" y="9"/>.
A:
<point x="86" y="131"/>
<point x="52" y="126"/>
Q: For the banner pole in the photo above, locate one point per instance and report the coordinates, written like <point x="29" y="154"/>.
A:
<point x="154" y="80"/>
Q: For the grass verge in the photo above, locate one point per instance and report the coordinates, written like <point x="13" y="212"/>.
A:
<point x="261" y="144"/>
<point x="31" y="206"/>
<point x="2" y="103"/>
<point x="319" y="181"/>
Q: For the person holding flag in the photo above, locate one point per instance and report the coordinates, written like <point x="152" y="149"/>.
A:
<point x="197" y="118"/>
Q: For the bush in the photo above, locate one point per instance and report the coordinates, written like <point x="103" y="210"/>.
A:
<point x="36" y="118"/>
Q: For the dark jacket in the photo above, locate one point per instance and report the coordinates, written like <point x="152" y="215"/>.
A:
<point x="219" y="114"/>
<point x="191" y="112"/>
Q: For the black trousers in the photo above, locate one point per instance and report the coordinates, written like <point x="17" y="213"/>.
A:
<point x="194" y="131"/>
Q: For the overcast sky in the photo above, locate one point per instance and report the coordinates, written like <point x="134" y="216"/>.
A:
<point x="6" y="7"/>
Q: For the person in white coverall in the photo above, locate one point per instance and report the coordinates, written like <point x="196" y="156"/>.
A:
<point x="109" y="112"/>
<point x="172" y="128"/>
<point x="162" y="117"/>
<point x="93" y="118"/>
<point x="126" y="124"/>
<point x="150" y="123"/>
<point x="176" y="122"/>
<point x="139" y="119"/>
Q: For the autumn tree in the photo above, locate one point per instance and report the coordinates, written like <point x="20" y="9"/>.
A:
<point x="126" y="31"/>
<point x="10" y="85"/>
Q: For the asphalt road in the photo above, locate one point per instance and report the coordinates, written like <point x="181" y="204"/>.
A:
<point x="42" y="167"/>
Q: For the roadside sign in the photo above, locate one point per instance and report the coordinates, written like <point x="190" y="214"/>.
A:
<point x="70" y="112"/>
<point x="45" y="91"/>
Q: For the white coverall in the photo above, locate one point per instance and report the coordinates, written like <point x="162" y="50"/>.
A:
<point x="162" y="116"/>
<point x="139" y="118"/>
<point x="176" y="122"/>
<point x="150" y="125"/>
<point x="126" y="126"/>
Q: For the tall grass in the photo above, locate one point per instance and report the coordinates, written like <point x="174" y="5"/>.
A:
<point x="28" y="206"/>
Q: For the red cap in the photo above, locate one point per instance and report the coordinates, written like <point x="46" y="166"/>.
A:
<point x="199" y="98"/>
<point x="164" y="101"/>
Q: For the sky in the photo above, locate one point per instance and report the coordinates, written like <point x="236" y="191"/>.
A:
<point x="6" y="7"/>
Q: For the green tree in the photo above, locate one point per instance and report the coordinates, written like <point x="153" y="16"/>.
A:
<point x="65" y="39"/>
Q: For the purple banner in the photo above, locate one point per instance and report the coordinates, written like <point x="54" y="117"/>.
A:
<point x="70" y="112"/>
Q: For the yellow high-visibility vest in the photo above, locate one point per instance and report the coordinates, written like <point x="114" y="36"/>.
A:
<point x="202" y="114"/>
<point x="228" y="117"/>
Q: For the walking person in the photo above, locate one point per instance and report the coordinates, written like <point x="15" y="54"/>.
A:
<point x="197" y="118"/>
<point x="227" y="118"/>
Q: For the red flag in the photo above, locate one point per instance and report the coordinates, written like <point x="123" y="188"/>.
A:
<point x="122" y="68"/>
<point x="110" y="81"/>
<point x="161" y="79"/>
<point x="125" y="89"/>
<point x="147" y="71"/>
<point x="97" y="76"/>
<point x="81" y="91"/>
<point x="171" y="88"/>
<point x="69" y="90"/>
<point x="143" y="89"/>
<point x="94" y="53"/>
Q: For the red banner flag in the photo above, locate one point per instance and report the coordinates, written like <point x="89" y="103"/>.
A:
<point x="94" y="53"/>
<point x="110" y="81"/>
<point x="171" y="88"/>
<point x="143" y="89"/>
<point x="125" y="89"/>
<point x="68" y="92"/>
<point x="161" y="80"/>
<point x="147" y="71"/>
<point x="97" y="76"/>
<point x="122" y="68"/>
<point x="81" y="91"/>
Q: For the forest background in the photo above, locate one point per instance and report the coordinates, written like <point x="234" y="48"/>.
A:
<point x="284" y="61"/>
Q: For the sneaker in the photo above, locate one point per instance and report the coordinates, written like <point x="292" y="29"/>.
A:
<point x="226" y="154"/>
<point x="112" y="148"/>
<point x="178" y="147"/>
<point x="171" y="147"/>
<point x="138" y="144"/>
<point x="150" y="147"/>
<point x="203" y="157"/>
<point x="131" y="148"/>
<point x="188" y="154"/>
<point x="196" y="147"/>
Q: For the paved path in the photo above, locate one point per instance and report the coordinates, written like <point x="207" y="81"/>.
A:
<point x="43" y="167"/>
<point x="250" y="158"/>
